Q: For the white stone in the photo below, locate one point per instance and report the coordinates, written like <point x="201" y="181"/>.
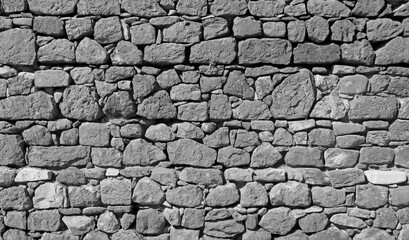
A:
<point x="30" y="174"/>
<point x="296" y="126"/>
<point x="112" y="172"/>
<point x="50" y="195"/>
<point x="385" y="177"/>
<point x="79" y="225"/>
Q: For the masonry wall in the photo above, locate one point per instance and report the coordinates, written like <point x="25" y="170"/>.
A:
<point x="204" y="119"/>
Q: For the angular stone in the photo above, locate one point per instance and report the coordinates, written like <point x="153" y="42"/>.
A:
<point x="158" y="106"/>
<point x="98" y="7"/>
<point x="14" y="6"/>
<point x="84" y="196"/>
<point x="253" y="194"/>
<point x="183" y="32"/>
<point x="45" y="220"/>
<point x="116" y="191"/>
<point x="107" y="222"/>
<point x="50" y="195"/>
<point x="372" y="107"/>
<point x="245" y="27"/>
<point x="310" y="53"/>
<point x="343" y="31"/>
<point x="218" y="51"/>
<point x="329" y="107"/>
<point x="164" y="54"/>
<point x="233" y="157"/>
<point x="317" y="29"/>
<point x="185" y="92"/>
<point x="350" y="141"/>
<point x="223" y="229"/>
<point x="125" y="235"/>
<point x="84" y="75"/>
<point x="224" y="195"/>
<point x="296" y="31"/>
<point x="385" y="218"/>
<point x="186" y="196"/>
<point x="297" y="235"/>
<point x="373" y="233"/>
<point x="340" y="158"/>
<point x="143" y="8"/>
<point x="287" y="96"/>
<point x="219" y="107"/>
<point x="315" y="176"/>
<point x="188" y="130"/>
<point x="79" y="225"/>
<point x="160" y="132"/>
<point x="143" y="34"/>
<point x="252" y="110"/>
<point x="382" y="29"/>
<point x="16" y="198"/>
<point x="314" y="222"/>
<point x="148" y="192"/>
<point x="80" y="102"/>
<point x="291" y="193"/>
<point x="89" y="51"/>
<point x="52" y="26"/>
<point x="321" y="137"/>
<point x="94" y="134"/>
<point x="11" y="150"/>
<point x="71" y="176"/>
<point x="201" y="176"/>
<point x="376" y="155"/>
<point x="278" y="221"/>
<point x="346" y="128"/>
<point x="52" y="7"/>
<point x="190" y="152"/>
<point x="398" y="86"/>
<point x="328" y="8"/>
<point x="108" y="30"/>
<point x="126" y="53"/>
<point x="368" y="8"/>
<point x="265" y="155"/>
<point x="8" y="176"/>
<point x="399" y="130"/>
<point x="195" y="7"/>
<point x="346" y="177"/>
<point x="16" y="219"/>
<point x="141" y="152"/>
<point x="228" y="7"/>
<point x="331" y="233"/>
<point x="265" y="8"/>
<point x="398" y="196"/>
<point x="237" y="85"/>
<point x="271" y="51"/>
<point x="216" y="27"/>
<point x="77" y="28"/>
<point x="208" y="84"/>
<point x="327" y="196"/>
<point x="58" y="157"/>
<point x="370" y="196"/>
<point x="304" y="157"/>
<point x="150" y="221"/>
<point x="120" y="104"/>
<point x="193" y="218"/>
<point x="393" y="52"/>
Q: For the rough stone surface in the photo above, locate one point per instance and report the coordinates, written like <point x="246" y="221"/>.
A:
<point x="273" y="51"/>
<point x="218" y="51"/>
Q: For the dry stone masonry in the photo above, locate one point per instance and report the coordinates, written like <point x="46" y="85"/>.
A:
<point x="204" y="120"/>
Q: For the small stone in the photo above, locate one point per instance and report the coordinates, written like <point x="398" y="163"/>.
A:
<point x="343" y="31"/>
<point x="373" y="233"/>
<point x="376" y="155"/>
<point x="51" y="78"/>
<point x="94" y="134"/>
<point x="398" y="196"/>
<point x="311" y="157"/>
<point x="71" y="176"/>
<point x="194" y="8"/>
<point x="108" y="30"/>
<point x="385" y="177"/>
<point x="79" y="225"/>
<point x="89" y="51"/>
<point x="223" y="229"/>
<point x="253" y="194"/>
<point x="321" y="137"/>
<point x="245" y="27"/>
<point x="84" y="196"/>
<point x="265" y="8"/>
<point x="296" y="31"/>
<point x="317" y="29"/>
<point x="330" y="233"/>
<point x="201" y="176"/>
<point x="126" y="53"/>
<point x="193" y="218"/>
<point x="148" y="192"/>
<point x="104" y="7"/>
<point x="314" y="222"/>
<point x="228" y="7"/>
<point x="52" y="26"/>
<point x="52" y="7"/>
<point x="274" y="29"/>
<point x="328" y="8"/>
<point x="216" y="27"/>
<point x="346" y="177"/>
<point x="8" y="176"/>
<point x="183" y="234"/>
<point x="344" y="220"/>
<point x="340" y="158"/>
<point x="327" y="196"/>
<point x="50" y="195"/>
<point x="353" y="84"/>
<point x="158" y="106"/>
<point x="143" y="8"/>
<point x="29" y="174"/>
<point x="107" y="222"/>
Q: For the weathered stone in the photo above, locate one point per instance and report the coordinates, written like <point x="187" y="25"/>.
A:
<point x="321" y="137"/>
<point x="16" y="198"/>
<point x="370" y="196"/>
<point x="143" y="34"/>
<point x="237" y="85"/>
<point x="94" y="134"/>
<point x="340" y="158"/>
<point x="120" y="104"/>
<point x="304" y="157"/>
<point x="196" y="7"/>
<point x="350" y="141"/>
<point x="79" y="225"/>
<point x="398" y="196"/>
<point x="329" y="107"/>
<point x="272" y="51"/>
<point x="393" y="52"/>
<point x="265" y="155"/>
<point x="50" y="195"/>
<point x="52" y="7"/>
<point x="376" y="155"/>
<point x="223" y="229"/>
<point x="11" y="150"/>
<point x="278" y="221"/>
<point x="263" y="8"/>
<point x="8" y="176"/>
<point x="84" y="196"/>
<point x="398" y="86"/>
<point x="188" y="130"/>
<point x="148" y="192"/>
<point x="183" y="234"/>
<point x="108" y="30"/>
<point x="183" y="32"/>
<point x="385" y="218"/>
<point x="228" y="7"/>
<point x="143" y="8"/>
<point x="14" y="6"/>
<point x="125" y="235"/>
<point x="331" y="233"/>
<point x="232" y="157"/>
<point x="150" y="221"/>
<point x="89" y="51"/>
<point x="239" y="175"/>
<point x="141" y="152"/>
<point x="46" y="220"/>
<point x="51" y="78"/>
<point x="165" y="54"/>
<point x="327" y="196"/>
<point x="373" y="233"/>
<point x="328" y="8"/>
<point x="208" y="84"/>
<point x="116" y="191"/>
<point x="185" y="92"/>
<point x="343" y="31"/>
<point x="310" y="53"/>
<point x="16" y="219"/>
<point x="80" y="102"/>
<point x="94" y="7"/>
<point x="294" y="88"/>
<point x="346" y="177"/>
<point x="192" y="153"/>
<point x="252" y="110"/>
<point x="107" y="222"/>
<point x="314" y="222"/>
<point x="77" y="28"/>
<point x="58" y="157"/>
<point x="282" y="137"/>
<point x="274" y="29"/>
<point x="186" y="196"/>
<point x="297" y="235"/>
<point x="220" y="107"/>
<point x="216" y="27"/>
<point x="291" y="193"/>
<point x="158" y="106"/>
<point x="201" y="176"/>
<point x="399" y="130"/>
<point x="296" y="31"/>
<point x="52" y="26"/>
<point x="84" y="75"/>
<point x="245" y="27"/>
<point x="343" y="220"/>
<point x="224" y="195"/>
<point x="372" y="107"/>
<point x="353" y="84"/>
<point x="193" y="218"/>
<point x="382" y="29"/>
<point x="365" y="8"/>
<point x="126" y="53"/>
<point x="218" y="51"/>
<point x="71" y="176"/>
<point x="317" y="29"/>
<point x="253" y="194"/>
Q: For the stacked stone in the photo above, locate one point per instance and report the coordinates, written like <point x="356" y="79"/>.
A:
<point x="211" y="120"/>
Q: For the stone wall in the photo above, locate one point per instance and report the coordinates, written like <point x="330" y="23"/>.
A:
<point x="204" y="119"/>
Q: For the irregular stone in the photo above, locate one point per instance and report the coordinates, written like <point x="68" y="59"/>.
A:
<point x="382" y="29"/>
<point x="340" y="158"/>
<point x="296" y="31"/>
<point x="233" y="157"/>
<point x="346" y="177"/>
<point x="270" y="175"/>
<point x="104" y="7"/>
<point x="399" y="130"/>
<point x="315" y="176"/>
<point x="148" y="192"/>
<point x="312" y="223"/>
<point x="272" y="51"/>
<point x="58" y="157"/>
<point x="12" y="150"/>
<point x="201" y="176"/>
<point x="165" y="54"/>
<point x="116" y="191"/>
<point x="52" y="7"/>
<point x="183" y="32"/>
<point x="237" y="85"/>
<point x="219" y="138"/>
<point x="252" y="110"/>
<point x="376" y="155"/>
<point x="321" y="137"/>
<point x="228" y="8"/>
<point x="141" y="152"/>
<point x="89" y="51"/>
<point x="265" y="155"/>
<point x="331" y="233"/>
<point x="94" y="134"/>
<point x="143" y="8"/>
<point x="401" y="156"/>
<point x="223" y="229"/>
<point x="343" y="220"/>
<point x="120" y="104"/>
<point x="328" y="8"/>
<point x="327" y="196"/>
<point x="71" y="176"/>
<point x="343" y="31"/>
<point x="310" y="53"/>
<point x="208" y="84"/>
<point x="158" y="106"/>
<point x="297" y="235"/>
<point x="398" y="196"/>
<point x="183" y="234"/>
<point x="150" y="221"/>
<point x="16" y="219"/>
<point x="365" y="8"/>
<point x="190" y="152"/>
<point x="317" y="29"/>
<point x="16" y="198"/>
<point x="286" y="97"/>
<point x="107" y="222"/>
<point x="278" y="221"/>
<point x="224" y="195"/>
<point x="196" y="7"/>
<point x="385" y="218"/>
<point x="274" y="29"/>
<point x="185" y="92"/>
<point x="398" y="86"/>
<point x="216" y="27"/>
<point x="160" y="132"/>
<point x="291" y="193"/>
<point x="79" y="225"/>
<point x="45" y="220"/>
<point x="350" y="141"/>
<point x="8" y="176"/>
<point x="14" y="6"/>
<point x="218" y="51"/>
<point x="393" y="52"/>
<point x="50" y="195"/>
<point x="220" y="106"/>
<point x="372" y="107"/>
<point x="80" y="102"/>
<point x="193" y="218"/>
<point x="172" y="215"/>
<point x="84" y="196"/>
<point x="245" y="27"/>
<point x="126" y="53"/>
<point x="188" y="130"/>
<point x="329" y="107"/>
<point x="370" y="196"/>
<point x="143" y="34"/>
<point x="186" y="196"/>
<point x="373" y="233"/>
<point x="126" y="235"/>
<point x="52" y="26"/>
<point x="263" y="8"/>
<point x="304" y="157"/>
<point x="345" y="128"/>
<point x="108" y="30"/>
<point x="78" y="28"/>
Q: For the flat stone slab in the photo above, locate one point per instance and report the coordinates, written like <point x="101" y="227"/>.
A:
<point x="385" y="177"/>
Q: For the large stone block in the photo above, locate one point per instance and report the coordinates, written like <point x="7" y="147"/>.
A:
<point x="52" y="7"/>
<point x="58" y="157"/>
<point x="165" y="54"/>
<point x="310" y="53"/>
<point x="218" y="51"/>
<point x="373" y="107"/>
<point x="21" y="52"/>
<point x="272" y="51"/>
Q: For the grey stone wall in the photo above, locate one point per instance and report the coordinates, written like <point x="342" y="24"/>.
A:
<point x="204" y="119"/>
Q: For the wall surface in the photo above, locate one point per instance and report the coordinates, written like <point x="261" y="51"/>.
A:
<point x="204" y="119"/>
